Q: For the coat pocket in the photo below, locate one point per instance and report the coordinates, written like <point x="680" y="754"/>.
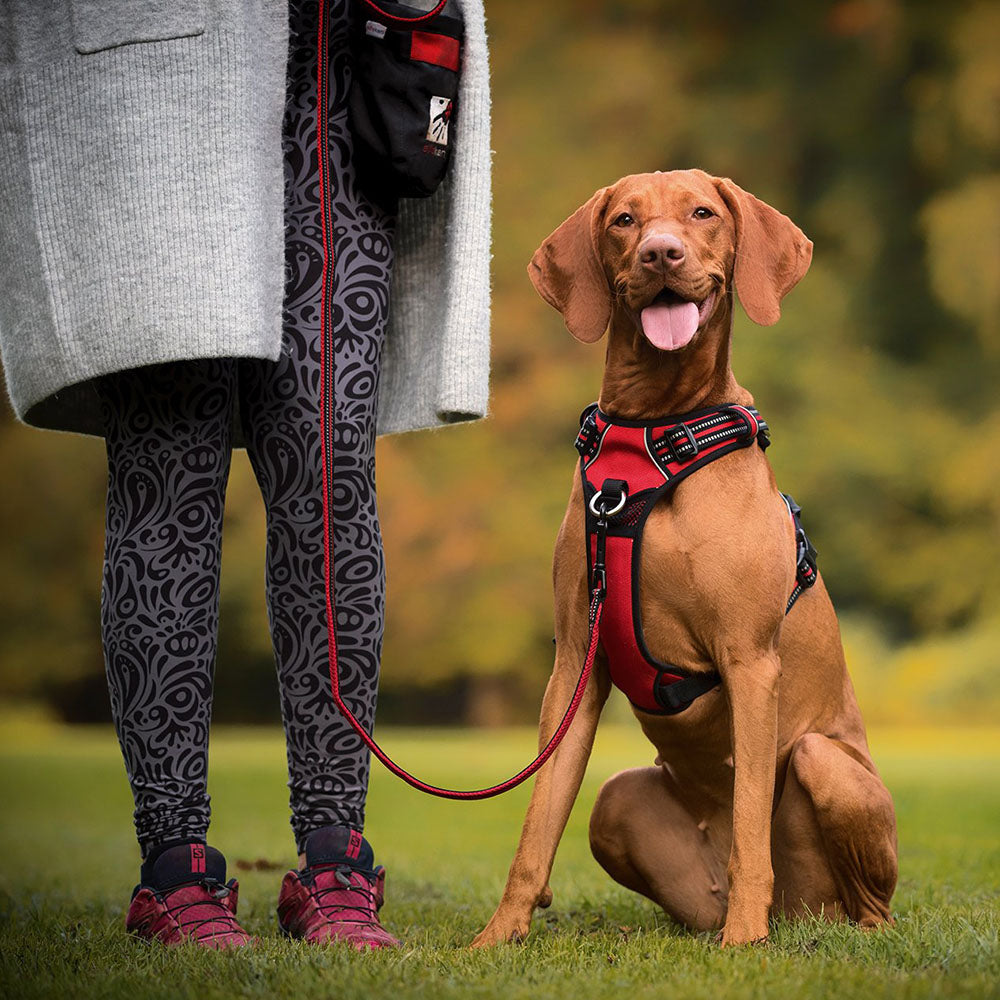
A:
<point x="106" y="24"/>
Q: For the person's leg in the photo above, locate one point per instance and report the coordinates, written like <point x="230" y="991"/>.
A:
<point x="280" y="405"/>
<point x="167" y="429"/>
<point x="338" y="890"/>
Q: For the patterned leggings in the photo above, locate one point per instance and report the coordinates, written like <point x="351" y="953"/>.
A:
<point x="168" y="432"/>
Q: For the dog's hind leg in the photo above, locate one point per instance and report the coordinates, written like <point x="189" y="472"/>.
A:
<point x="646" y="839"/>
<point x="835" y="836"/>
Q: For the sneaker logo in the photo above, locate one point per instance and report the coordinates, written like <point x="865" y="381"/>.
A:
<point x="354" y="845"/>
<point x="198" y="858"/>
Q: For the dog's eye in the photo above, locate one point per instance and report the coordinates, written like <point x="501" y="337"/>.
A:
<point x="624" y="220"/>
<point x="703" y="213"/>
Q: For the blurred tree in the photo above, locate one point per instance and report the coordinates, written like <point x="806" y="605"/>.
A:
<point x="875" y="124"/>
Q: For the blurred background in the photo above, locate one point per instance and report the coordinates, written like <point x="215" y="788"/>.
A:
<point x="875" y="125"/>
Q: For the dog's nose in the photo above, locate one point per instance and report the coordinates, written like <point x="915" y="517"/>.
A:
<point x="661" y="251"/>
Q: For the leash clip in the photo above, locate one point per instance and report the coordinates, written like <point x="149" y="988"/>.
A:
<point x="599" y="575"/>
<point x="615" y="492"/>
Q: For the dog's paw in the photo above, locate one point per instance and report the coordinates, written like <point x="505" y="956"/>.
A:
<point x="742" y="932"/>
<point x="501" y="930"/>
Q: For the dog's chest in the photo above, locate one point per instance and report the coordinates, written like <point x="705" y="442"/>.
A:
<point x="677" y="580"/>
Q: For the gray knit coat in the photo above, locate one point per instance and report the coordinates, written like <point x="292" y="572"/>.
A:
<point x="141" y="208"/>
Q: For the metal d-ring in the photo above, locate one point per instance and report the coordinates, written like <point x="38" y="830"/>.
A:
<point x="606" y="513"/>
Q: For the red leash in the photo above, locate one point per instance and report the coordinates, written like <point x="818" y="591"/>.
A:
<point x="326" y="427"/>
<point x="503" y="786"/>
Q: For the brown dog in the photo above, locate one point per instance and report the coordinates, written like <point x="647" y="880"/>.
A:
<point x="763" y="796"/>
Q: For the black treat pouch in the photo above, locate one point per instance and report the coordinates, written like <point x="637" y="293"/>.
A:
<point x="403" y="93"/>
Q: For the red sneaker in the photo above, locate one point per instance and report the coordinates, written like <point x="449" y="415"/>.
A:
<point x="337" y="896"/>
<point x="187" y="898"/>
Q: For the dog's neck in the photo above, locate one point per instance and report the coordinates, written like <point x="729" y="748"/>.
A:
<point x="641" y="382"/>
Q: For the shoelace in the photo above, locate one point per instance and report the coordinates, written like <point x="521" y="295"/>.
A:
<point x="217" y="891"/>
<point x="366" y="890"/>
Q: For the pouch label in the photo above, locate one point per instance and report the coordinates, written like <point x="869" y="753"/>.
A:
<point x="440" y="117"/>
<point x="375" y="29"/>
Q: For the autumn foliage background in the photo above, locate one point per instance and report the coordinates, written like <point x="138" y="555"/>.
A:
<point x="875" y="125"/>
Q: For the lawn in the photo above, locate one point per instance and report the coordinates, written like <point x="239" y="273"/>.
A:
<point x="69" y="863"/>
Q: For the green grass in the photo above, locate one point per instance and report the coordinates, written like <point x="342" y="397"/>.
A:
<point x="69" y="863"/>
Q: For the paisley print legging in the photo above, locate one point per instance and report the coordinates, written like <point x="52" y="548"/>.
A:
<point x="168" y="432"/>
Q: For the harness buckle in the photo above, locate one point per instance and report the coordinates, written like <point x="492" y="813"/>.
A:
<point x="685" y="449"/>
<point x="805" y="571"/>
<point x="676" y="695"/>
<point x="588" y="437"/>
<point x="806" y="555"/>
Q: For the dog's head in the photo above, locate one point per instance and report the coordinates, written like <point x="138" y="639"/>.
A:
<point x="666" y="249"/>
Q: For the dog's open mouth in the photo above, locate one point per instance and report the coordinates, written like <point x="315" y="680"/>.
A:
<point x="670" y="322"/>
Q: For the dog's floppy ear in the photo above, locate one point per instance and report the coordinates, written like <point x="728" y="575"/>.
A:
<point x="567" y="272"/>
<point x="772" y="253"/>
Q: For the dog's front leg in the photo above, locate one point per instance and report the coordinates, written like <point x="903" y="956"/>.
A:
<point x="751" y="685"/>
<point x="552" y="798"/>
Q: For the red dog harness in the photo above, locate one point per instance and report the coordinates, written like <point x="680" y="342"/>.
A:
<point x="627" y="467"/>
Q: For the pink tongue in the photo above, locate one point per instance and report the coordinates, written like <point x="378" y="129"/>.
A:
<point x="670" y="326"/>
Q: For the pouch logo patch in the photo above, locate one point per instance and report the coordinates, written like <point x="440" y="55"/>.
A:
<point x="375" y="29"/>
<point x="440" y="118"/>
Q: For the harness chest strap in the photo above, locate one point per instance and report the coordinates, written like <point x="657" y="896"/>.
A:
<point x="626" y="467"/>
